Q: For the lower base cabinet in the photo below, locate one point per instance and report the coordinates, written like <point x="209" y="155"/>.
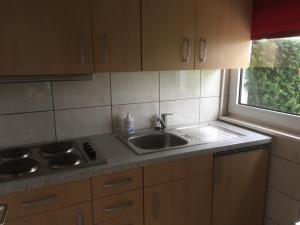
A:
<point x="181" y="202"/>
<point x="239" y="188"/>
<point x="75" y="215"/>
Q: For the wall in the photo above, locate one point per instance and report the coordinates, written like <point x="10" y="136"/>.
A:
<point x="48" y="111"/>
<point x="283" y="201"/>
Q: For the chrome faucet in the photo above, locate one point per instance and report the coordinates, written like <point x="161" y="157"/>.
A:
<point x="163" y="120"/>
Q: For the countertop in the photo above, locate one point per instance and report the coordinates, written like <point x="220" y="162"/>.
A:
<point x="119" y="157"/>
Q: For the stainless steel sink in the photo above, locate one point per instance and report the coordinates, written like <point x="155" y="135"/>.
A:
<point x="154" y="141"/>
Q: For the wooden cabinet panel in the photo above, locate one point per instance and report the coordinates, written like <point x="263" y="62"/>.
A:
<point x="115" y="183"/>
<point x="117" y="206"/>
<point x="45" y="37"/>
<point x="223" y="34"/>
<point x="44" y="199"/>
<point x="135" y="219"/>
<point x="117" y="36"/>
<point x="168" y="34"/>
<point x="239" y="188"/>
<point x="186" y="201"/>
<point x="78" y="214"/>
<point x="178" y="169"/>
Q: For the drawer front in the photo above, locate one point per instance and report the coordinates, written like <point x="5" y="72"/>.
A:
<point x="135" y="219"/>
<point x="74" y="215"/>
<point x="116" y="206"/>
<point x="115" y="183"/>
<point x="44" y="199"/>
<point x="178" y="169"/>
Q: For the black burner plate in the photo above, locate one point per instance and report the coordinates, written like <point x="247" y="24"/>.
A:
<point x="64" y="160"/>
<point x="18" y="167"/>
<point x="56" y="149"/>
<point x="15" y="153"/>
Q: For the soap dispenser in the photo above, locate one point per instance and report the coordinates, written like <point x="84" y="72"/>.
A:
<point x="129" y="124"/>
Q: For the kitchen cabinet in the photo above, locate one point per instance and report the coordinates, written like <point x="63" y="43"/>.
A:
<point x="181" y="194"/>
<point x="117" y="35"/>
<point x="80" y="214"/>
<point x="223" y="34"/>
<point x="239" y="188"/>
<point x="45" y="37"/>
<point x="168" y="34"/>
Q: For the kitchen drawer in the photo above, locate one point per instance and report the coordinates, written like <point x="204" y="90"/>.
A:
<point x="115" y="183"/>
<point x="135" y="219"/>
<point x="44" y="199"/>
<point x="75" y="215"/>
<point x="116" y="206"/>
<point x="178" y="169"/>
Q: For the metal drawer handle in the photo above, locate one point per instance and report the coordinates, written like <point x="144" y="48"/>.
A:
<point x="155" y="205"/>
<point x="80" y="218"/>
<point x="117" y="183"/>
<point x="41" y="201"/>
<point x="122" y="206"/>
<point x="186" y="50"/>
<point x="3" y="213"/>
<point x="203" y="49"/>
<point x="81" y="48"/>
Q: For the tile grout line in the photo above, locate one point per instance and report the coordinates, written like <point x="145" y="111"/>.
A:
<point x="284" y="194"/>
<point x="53" y="111"/>
<point x="290" y="161"/>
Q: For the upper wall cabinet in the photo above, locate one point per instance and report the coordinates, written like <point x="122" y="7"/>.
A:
<point x="168" y="33"/>
<point x="223" y="34"/>
<point x="45" y="37"/>
<point x="117" y="36"/>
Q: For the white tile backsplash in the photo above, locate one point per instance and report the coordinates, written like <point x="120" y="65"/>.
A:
<point x="27" y="128"/>
<point x="78" y="94"/>
<point x="83" y="108"/>
<point x="185" y="111"/>
<point x="25" y="97"/>
<point x="127" y="88"/>
<point x="176" y="85"/>
<point x="209" y="109"/>
<point x="83" y="122"/>
<point x="142" y="114"/>
<point x="210" y="83"/>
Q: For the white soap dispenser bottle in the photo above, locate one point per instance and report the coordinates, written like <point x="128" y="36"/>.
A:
<point x="129" y="124"/>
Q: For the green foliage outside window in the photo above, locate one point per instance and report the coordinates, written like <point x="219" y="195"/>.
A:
<point x="273" y="80"/>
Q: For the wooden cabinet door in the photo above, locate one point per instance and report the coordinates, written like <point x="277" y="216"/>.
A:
<point x="117" y="36"/>
<point x="45" y="37"/>
<point x="74" y="215"/>
<point x="223" y="34"/>
<point x="239" y="188"/>
<point x="186" y="201"/>
<point x="168" y="33"/>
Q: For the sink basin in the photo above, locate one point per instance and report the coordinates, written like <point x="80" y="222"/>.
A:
<point x="155" y="141"/>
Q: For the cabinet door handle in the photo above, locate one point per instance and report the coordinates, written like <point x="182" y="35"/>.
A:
<point x="117" y="183"/>
<point x="80" y="218"/>
<point x="3" y="213"/>
<point x="202" y="50"/>
<point x="122" y="206"/>
<point x="81" y="48"/>
<point x="41" y="201"/>
<point x="104" y="49"/>
<point x="186" y="50"/>
<point x="155" y="205"/>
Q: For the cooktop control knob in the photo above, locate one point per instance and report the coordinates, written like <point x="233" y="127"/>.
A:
<point x="89" y="150"/>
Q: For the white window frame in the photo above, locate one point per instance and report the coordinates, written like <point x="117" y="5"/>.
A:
<point x="285" y="121"/>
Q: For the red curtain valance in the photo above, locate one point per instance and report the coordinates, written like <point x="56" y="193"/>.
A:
<point x="275" y="19"/>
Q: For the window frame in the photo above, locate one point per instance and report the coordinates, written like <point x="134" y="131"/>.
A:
<point x="290" y="122"/>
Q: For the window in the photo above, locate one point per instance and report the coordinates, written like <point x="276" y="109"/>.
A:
<point x="273" y="79"/>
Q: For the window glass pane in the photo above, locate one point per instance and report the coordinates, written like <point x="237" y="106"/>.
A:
<point x="273" y="79"/>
